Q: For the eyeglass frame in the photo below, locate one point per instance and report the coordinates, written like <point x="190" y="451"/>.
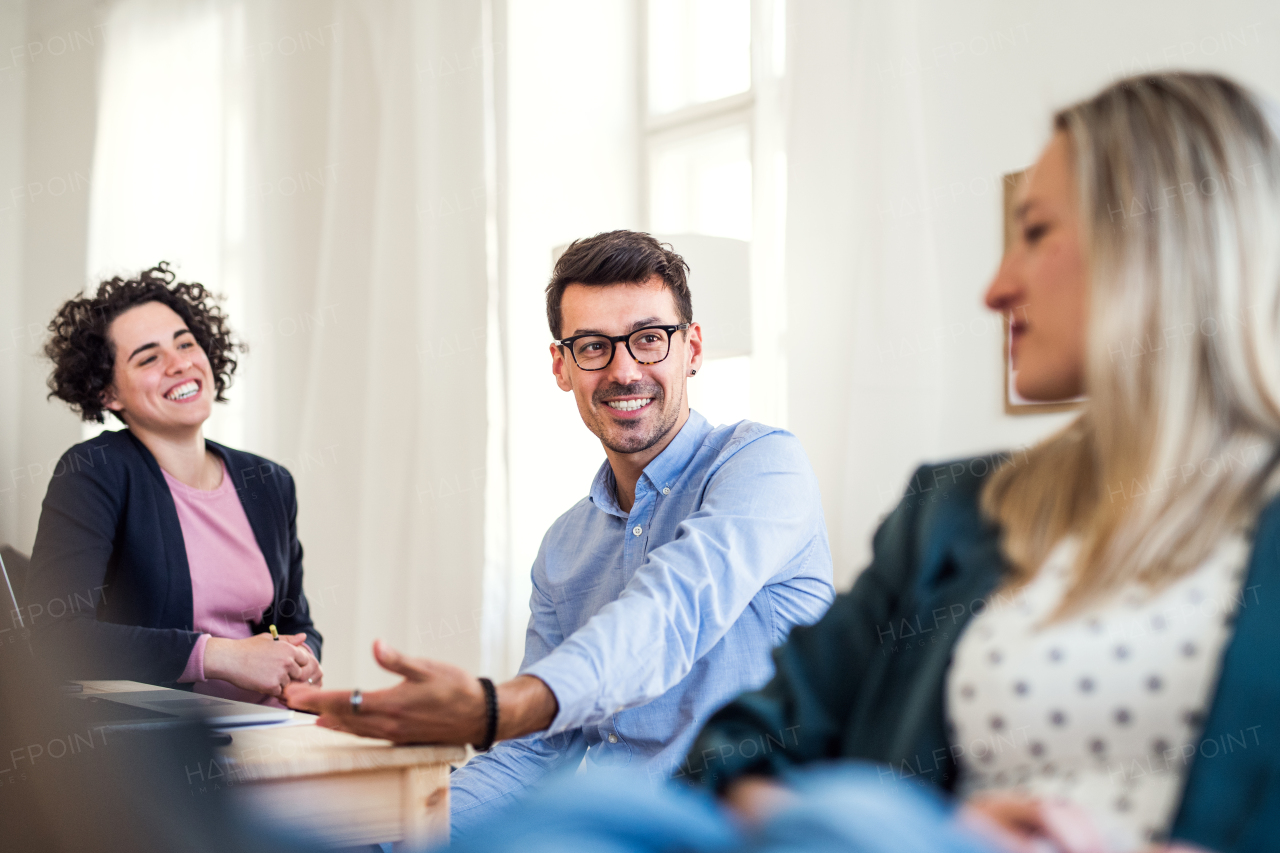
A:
<point x="614" y="340"/>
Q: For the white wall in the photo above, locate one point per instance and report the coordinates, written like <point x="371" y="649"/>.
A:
<point x="903" y="118"/>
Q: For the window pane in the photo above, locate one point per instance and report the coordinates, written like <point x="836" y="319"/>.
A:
<point x="702" y="185"/>
<point x="699" y="50"/>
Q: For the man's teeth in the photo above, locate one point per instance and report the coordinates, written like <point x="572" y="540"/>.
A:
<point x="183" y="391"/>
<point x="629" y="405"/>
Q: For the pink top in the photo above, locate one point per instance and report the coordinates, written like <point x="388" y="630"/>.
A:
<point x="231" y="585"/>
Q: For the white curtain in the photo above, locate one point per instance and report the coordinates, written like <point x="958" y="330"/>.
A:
<point x="159" y="185"/>
<point x="380" y="403"/>
<point x="356" y="232"/>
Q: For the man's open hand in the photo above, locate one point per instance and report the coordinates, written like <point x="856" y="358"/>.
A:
<point x="436" y="703"/>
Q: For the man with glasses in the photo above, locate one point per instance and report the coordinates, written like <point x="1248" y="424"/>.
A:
<point x="658" y="597"/>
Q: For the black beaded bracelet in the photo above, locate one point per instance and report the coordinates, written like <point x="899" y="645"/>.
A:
<point x="491" y="712"/>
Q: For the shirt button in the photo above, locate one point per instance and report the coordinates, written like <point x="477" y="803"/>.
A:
<point x="613" y="738"/>
<point x="637" y="530"/>
<point x="666" y="491"/>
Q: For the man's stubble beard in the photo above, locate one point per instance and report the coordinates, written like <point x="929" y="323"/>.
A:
<point x="640" y="444"/>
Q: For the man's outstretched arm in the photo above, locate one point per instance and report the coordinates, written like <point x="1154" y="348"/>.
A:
<point x="436" y="703"/>
<point x="439" y="703"/>
<point x="760" y="510"/>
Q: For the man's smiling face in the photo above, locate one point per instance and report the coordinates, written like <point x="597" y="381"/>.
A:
<point x="631" y="407"/>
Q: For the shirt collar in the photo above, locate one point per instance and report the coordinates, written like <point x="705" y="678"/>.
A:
<point x="661" y="472"/>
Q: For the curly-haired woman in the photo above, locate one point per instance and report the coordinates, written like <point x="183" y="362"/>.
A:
<point x="163" y="557"/>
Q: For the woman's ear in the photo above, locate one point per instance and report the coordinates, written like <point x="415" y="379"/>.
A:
<point x="109" y="400"/>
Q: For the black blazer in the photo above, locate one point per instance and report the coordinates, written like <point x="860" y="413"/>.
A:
<point x="109" y="591"/>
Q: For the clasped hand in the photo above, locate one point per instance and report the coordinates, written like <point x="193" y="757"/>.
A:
<point x="262" y="664"/>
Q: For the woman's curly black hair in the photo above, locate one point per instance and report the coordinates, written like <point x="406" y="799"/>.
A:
<point x="84" y="358"/>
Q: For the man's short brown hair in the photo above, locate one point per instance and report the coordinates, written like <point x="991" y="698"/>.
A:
<point x="618" y="257"/>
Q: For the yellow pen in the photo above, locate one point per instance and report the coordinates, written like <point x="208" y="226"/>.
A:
<point x="275" y="635"/>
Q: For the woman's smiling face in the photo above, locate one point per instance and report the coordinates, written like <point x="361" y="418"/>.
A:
<point x="161" y="380"/>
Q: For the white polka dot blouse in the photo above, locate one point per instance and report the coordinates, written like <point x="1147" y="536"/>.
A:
<point x="1103" y="708"/>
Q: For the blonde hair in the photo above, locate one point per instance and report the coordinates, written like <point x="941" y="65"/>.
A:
<point x="1178" y="182"/>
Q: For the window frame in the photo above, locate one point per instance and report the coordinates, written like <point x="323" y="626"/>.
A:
<point x="688" y="121"/>
<point x="762" y="110"/>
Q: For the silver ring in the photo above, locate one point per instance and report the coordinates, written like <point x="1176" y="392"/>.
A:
<point x="357" y="699"/>
<point x="309" y="681"/>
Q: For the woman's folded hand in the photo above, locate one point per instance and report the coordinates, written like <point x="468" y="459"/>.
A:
<point x="311" y="673"/>
<point x="260" y="663"/>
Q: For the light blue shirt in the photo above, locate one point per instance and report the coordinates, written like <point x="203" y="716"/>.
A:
<point x="644" y="623"/>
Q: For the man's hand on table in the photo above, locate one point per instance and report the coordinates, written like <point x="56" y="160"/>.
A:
<point x="436" y="703"/>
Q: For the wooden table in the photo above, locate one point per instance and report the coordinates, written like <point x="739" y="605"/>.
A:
<point x="344" y="789"/>
<point x="339" y="788"/>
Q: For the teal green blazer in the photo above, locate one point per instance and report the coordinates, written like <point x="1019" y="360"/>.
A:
<point x="868" y="681"/>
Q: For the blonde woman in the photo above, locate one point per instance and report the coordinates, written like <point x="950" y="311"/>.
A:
<point x="1081" y="640"/>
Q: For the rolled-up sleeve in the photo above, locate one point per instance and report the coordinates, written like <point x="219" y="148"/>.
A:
<point x="758" y="522"/>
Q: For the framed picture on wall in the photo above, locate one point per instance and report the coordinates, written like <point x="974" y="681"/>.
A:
<point x="1014" y="403"/>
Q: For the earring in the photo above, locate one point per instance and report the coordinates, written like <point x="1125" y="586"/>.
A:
<point x="693" y="372"/>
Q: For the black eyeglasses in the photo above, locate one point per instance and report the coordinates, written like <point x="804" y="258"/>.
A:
<point x="649" y="345"/>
